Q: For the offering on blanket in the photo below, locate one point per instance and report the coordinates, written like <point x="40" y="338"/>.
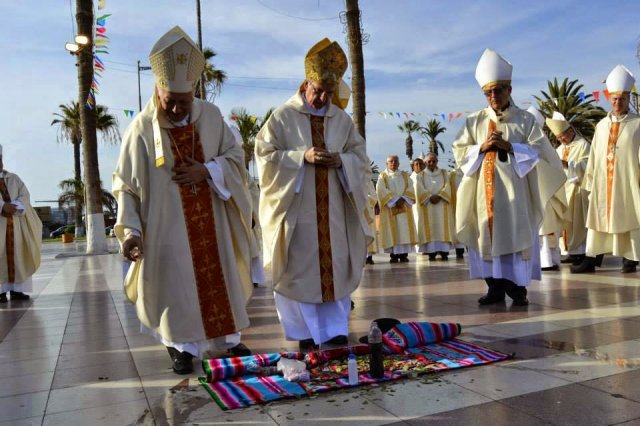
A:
<point x="293" y="370"/>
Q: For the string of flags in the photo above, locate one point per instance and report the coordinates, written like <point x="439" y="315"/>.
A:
<point x="101" y="42"/>
<point x="450" y="116"/>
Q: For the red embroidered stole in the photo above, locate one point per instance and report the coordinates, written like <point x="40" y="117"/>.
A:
<point x="322" y="216"/>
<point x="10" y="242"/>
<point x="611" y="161"/>
<point x="489" y="169"/>
<point x="215" y="309"/>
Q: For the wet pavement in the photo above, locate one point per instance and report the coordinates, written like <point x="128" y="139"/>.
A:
<point x="73" y="355"/>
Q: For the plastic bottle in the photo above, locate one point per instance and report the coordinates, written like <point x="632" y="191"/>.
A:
<point x="353" y="370"/>
<point x="376" y="358"/>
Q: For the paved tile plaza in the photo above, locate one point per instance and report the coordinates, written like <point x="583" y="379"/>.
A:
<point x="73" y="355"/>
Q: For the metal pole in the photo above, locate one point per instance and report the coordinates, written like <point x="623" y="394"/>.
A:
<point x="139" y="94"/>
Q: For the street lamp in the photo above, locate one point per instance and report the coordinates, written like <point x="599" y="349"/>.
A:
<point x="80" y="41"/>
<point x="139" y="94"/>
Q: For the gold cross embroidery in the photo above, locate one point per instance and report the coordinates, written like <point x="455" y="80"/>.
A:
<point x="181" y="58"/>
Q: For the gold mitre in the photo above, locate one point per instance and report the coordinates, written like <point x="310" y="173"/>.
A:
<point x="325" y="62"/>
<point x="342" y="95"/>
<point x="493" y="69"/>
<point x="557" y="123"/>
<point x="176" y="62"/>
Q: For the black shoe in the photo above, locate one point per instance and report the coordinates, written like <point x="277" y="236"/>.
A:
<point x="338" y="340"/>
<point x="521" y="301"/>
<point x="444" y="256"/>
<point x="393" y="258"/>
<point x="628" y="265"/>
<point x="307" y="345"/>
<point x="490" y="299"/>
<point x="587" y="265"/>
<point x="369" y="260"/>
<point x="551" y="268"/>
<point x="353" y="305"/>
<point x="18" y="295"/>
<point x="569" y="259"/>
<point x="459" y="253"/>
<point x="182" y="361"/>
<point x="404" y="257"/>
<point x="432" y="256"/>
<point x="239" y="350"/>
<point x="3" y="297"/>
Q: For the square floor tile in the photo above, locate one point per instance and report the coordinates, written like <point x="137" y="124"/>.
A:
<point x="23" y="407"/>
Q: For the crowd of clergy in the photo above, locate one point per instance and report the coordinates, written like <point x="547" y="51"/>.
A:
<point x="199" y="233"/>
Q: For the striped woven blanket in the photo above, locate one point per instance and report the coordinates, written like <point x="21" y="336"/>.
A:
<point x="411" y="349"/>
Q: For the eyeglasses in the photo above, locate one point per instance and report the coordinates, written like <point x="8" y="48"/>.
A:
<point x="320" y="92"/>
<point x="495" y="91"/>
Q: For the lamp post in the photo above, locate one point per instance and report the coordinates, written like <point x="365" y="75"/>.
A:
<point x="140" y="68"/>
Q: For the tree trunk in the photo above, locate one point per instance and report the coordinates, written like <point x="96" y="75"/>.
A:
<point x="96" y="240"/>
<point x="78" y="178"/>
<point x="354" y="35"/>
<point x="203" y="93"/>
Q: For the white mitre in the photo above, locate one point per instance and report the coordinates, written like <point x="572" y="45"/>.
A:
<point x="620" y="80"/>
<point x="536" y="114"/>
<point x="493" y="69"/>
<point x="557" y="123"/>
<point x="176" y="62"/>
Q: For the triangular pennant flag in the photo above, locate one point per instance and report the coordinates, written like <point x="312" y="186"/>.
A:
<point x="605" y="92"/>
<point x="100" y="22"/>
<point x="103" y="17"/>
<point x="101" y="30"/>
<point x="443" y="117"/>
<point x="596" y="96"/>
<point x="103" y="36"/>
<point x="458" y="115"/>
<point x="450" y="117"/>
<point x="101" y="4"/>
<point x="582" y="97"/>
<point x="406" y="115"/>
<point x="398" y="114"/>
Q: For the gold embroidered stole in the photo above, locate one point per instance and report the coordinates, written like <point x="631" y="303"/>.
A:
<point x="10" y="242"/>
<point x="611" y="161"/>
<point x="322" y="214"/>
<point x="488" y="167"/>
<point x="215" y="308"/>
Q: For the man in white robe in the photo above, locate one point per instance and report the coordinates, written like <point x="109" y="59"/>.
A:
<point x="574" y="153"/>
<point x="510" y="172"/>
<point x="313" y="171"/>
<point x="435" y="220"/>
<point x="20" y="237"/>
<point x="184" y="213"/>
<point x="611" y="177"/>
<point x="553" y="218"/>
<point x="396" y="197"/>
<point x="372" y="198"/>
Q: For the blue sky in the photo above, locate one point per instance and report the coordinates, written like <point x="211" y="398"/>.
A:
<point x="420" y="58"/>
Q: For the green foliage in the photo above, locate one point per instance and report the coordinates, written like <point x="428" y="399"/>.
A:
<point x="431" y="132"/>
<point x="213" y="77"/>
<point x="409" y="127"/>
<point x="249" y="126"/>
<point x="564" y="97"/>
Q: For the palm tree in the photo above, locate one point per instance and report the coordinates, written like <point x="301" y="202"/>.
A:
<point x="249" y="126"/>
<point x="213" y="77"/>
<point x="375" y="170"/>
<point x="356" y="59"/>
<point x="68" y="120"/>
<point x="96" y="240"/>
<point x="73" y="196"/>
<point x="577" y="108"/>
<point x="409" y="127"/>
<point x="431" y="132"/>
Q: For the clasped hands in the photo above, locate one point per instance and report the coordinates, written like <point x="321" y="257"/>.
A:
<point x="9" y="209"/>
<point x="322" y="157"/>
<point x="495" y="142"/>
<point x="132" y="248"/>
<point x="191" y="174"/>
